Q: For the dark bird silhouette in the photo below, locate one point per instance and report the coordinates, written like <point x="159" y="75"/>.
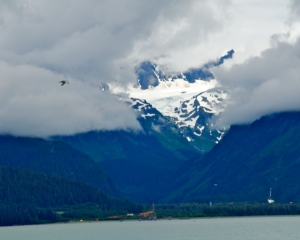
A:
<point x="63" y="82"/>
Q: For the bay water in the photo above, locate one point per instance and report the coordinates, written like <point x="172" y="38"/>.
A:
<point x="234" y="228"/>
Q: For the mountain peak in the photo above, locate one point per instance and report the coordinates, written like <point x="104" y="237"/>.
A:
<point x="149" y="74"/>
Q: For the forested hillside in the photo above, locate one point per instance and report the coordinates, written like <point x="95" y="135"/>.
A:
<point x="54" y="158"/>
<point x="26" y="197"/>
<point x="141" y="163"/>
<point x="249" y="161"/>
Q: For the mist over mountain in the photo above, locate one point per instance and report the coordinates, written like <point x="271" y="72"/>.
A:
<point x="192" y="100"/>
<point x="262" y="85"/>
<point x="149" y="74"/>
<point x="88" y="44"/>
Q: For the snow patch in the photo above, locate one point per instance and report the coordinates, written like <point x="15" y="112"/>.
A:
<point x="189" y="139"/>
<point x="147" y="115"/>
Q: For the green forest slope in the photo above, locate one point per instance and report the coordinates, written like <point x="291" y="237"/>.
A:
<point x="24" y="195"/>
<point x="141" y="163"/>
<point x="54" y="158"/>
<point x="248" y="161"/>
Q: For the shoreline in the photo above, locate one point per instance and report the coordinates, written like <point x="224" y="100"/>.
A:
<point x="159" y="219"/>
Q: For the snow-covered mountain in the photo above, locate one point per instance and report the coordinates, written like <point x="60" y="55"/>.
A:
<point x="150" y="74"/>
<point x="195" y="117"/>
<point x="143" y="107"/>
<point x="148" y="115"/>
<point x="191" y="106"/>
<point x="192" y="100"/>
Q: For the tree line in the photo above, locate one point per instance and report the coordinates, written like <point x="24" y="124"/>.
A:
<point x="225" y="209"/>
<point x="27" y="198"/>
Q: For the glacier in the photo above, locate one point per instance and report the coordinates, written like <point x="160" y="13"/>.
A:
<point x="193" y="100"/>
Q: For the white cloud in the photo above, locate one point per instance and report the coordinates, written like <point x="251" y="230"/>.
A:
<point x="267" y="83"/>
<point x="33" y="103"/>
<point x="204" y="30"/>
<point x="262" y="85"/>
<point x="87" y="41"/>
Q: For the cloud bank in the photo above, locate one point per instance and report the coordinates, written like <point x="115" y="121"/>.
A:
<point x="33" y="103"/>
<point x="268" y="83"/>
<point x="42" y="42"/>
<point x="263" y="85"/>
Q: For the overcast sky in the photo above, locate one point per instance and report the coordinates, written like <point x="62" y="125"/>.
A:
<point x="42" y="42"/>
<point x="267" y="83"/>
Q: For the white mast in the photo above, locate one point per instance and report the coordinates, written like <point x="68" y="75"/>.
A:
<point x="270" y="200"/>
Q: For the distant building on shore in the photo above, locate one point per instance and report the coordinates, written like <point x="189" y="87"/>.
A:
<point x="150" y="215"/>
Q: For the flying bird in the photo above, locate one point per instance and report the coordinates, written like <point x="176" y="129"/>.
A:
<point x="63" y="82"/>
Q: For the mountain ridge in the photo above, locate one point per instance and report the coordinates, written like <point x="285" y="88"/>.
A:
<point x="54" y="158"/>
<point x="248" y="161"/>
<point x="193" y="100"/>
<point x="134" y="159"/>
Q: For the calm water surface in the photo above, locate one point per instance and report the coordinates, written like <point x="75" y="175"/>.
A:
<point x="239" y="228"/>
